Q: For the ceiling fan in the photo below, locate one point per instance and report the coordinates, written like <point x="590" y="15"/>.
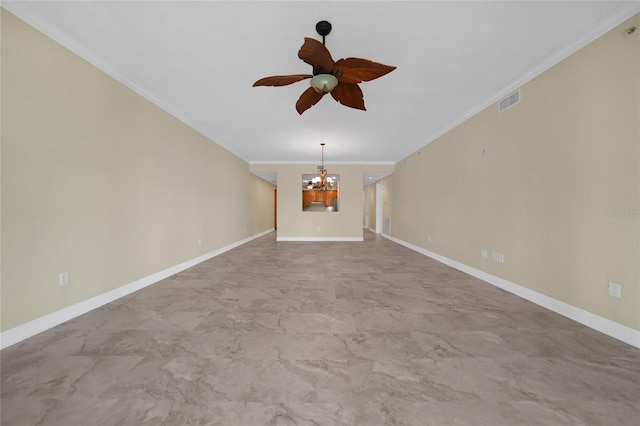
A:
<point x="340" y="78"/>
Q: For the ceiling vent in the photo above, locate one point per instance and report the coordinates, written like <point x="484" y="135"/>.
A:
<point x="509" y="101"/>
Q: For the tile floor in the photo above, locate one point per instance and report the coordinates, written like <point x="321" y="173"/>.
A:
<point x="288" y="333"/>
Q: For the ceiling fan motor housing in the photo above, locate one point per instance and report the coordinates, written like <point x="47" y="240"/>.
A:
<point x="323" y="28"/>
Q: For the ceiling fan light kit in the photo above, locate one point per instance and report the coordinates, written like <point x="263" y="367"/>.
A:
<point x="324" y="83"/>
<point x="340" y="78"/>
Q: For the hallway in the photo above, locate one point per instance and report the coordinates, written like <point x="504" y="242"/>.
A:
<point x="330" y="333"/>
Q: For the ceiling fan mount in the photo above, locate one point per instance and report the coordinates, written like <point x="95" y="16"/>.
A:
<point x="324" y="29"/>
<point x="340" y="78"/>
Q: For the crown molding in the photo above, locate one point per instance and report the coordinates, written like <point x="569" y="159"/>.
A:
<point x="605" y="25"/>
<point x="23" y="11"/>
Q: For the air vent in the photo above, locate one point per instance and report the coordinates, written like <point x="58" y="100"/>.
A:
<point x="509" y="101"/>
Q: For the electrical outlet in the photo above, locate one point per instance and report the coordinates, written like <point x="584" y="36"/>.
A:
<point x="615" y="290"/>
<point x="64" y="278"/>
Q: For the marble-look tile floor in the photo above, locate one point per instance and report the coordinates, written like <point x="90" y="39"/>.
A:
<point x="294" y="333"/>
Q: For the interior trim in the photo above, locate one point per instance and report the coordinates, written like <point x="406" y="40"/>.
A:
<point x="591" y="320"/>
<point x="23" y="11"/>
<point x="319" y="239"/>
<point x="544" y="64"/>
<point x="21" y="332"/>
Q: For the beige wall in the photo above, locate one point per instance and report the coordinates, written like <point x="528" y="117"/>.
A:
<point x="558" y="191"/>
<point x="293" y="223"/>
<point x="99" y="182"/>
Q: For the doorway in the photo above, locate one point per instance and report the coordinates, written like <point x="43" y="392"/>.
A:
<point x="373" y="207"/>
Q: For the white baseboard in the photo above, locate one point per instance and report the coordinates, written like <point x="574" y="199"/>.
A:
<point x="38" y="325"/>
<point x="319" y="239"/>
<point x="596" y="322"/>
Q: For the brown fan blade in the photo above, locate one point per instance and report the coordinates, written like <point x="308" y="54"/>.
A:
<point x="281" y="80"/>
<point x="356" y="70"/>
<point x="308" y="99"/>
<point x="316" y="54"/>
<point x="349" y="94"/>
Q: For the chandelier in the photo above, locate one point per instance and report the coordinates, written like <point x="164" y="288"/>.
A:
<point x="321" y="182"/>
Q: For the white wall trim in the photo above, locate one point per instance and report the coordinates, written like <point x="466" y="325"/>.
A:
<point x="31" y="328"/>
<point x="596" y="322"/>
<point x="601" y="28"/>
<point x="326" y="163"/>
<point x="319" y="239"/>
<point x="24" y="11"/>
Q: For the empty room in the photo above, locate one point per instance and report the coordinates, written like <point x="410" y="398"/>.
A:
<point x="249" y="213"/>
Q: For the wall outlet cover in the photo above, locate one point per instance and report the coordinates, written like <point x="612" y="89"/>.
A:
<point x="64" y="278"/>
<point x="615" y="290"/>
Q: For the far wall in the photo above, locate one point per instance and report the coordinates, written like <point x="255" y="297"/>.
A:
<point x="294" y="224"/>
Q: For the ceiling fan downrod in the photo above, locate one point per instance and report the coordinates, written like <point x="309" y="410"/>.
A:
<point x="324" y="29"/>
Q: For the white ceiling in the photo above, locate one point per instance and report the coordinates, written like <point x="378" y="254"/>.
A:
<point x="198" y="60"/>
